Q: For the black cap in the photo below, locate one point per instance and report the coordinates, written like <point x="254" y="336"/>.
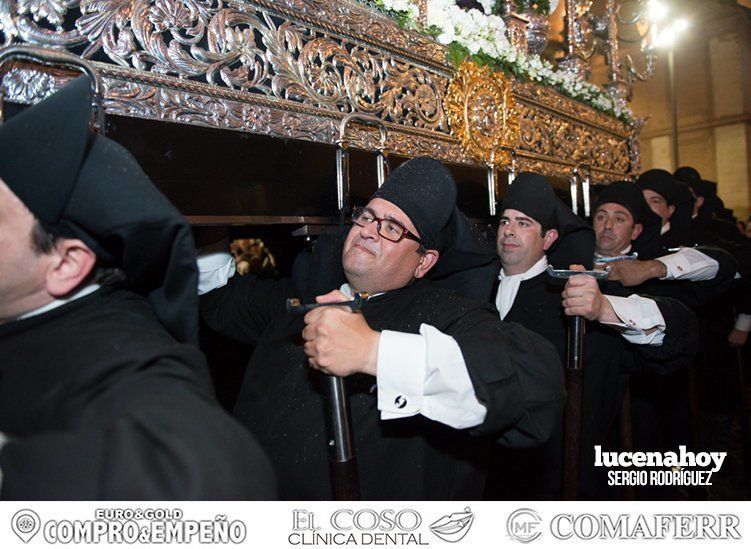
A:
<point x="687" y="174"/>
<point x="533" y="195"/>
<point x="663" y="183"/>
<point x="81" y="185"/>
<point x="425" y="190"/>
<point x="626" y="194"/>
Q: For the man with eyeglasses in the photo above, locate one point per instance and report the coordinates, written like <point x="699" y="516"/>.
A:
<point x="425" y="367"/>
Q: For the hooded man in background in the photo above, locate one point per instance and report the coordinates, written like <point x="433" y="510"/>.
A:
<point x="102" y="392"/>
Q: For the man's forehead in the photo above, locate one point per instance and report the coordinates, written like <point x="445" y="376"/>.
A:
<point x="614" y="208"/>
<point x="510" y="213"/>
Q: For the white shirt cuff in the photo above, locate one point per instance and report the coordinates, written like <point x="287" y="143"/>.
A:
<point x="426" y="374"/>
<point x="638" y="315"/>
<point x="743" y="322"/>
<point x="689" y="264"/>
<point x="215" y="266"/>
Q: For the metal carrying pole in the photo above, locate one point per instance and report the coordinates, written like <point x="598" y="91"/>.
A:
<point x="58" y="58"/>
<point x="572" y="421"/>
<point x="345" y="480"/>
<point x="492" y="179"/>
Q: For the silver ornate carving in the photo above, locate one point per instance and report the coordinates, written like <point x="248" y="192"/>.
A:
<point x="289" y="69"/>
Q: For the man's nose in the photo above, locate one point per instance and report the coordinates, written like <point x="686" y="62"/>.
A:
<point x="508" y="230"/>
<point x="370" y="231"/>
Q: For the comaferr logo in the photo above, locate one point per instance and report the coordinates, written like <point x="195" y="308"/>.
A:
<point x="524" y="525"/>
<point x="587" y="526"/>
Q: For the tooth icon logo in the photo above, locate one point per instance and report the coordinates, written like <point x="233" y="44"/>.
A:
<point x="453" y="527"/>
<point x="25" y="524"/>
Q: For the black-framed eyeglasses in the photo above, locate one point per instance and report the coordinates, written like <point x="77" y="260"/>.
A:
<point x="387" y="228"/>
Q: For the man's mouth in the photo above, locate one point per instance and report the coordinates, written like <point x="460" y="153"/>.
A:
<point x="364" y="249"/>
<point x="509" y="246"/>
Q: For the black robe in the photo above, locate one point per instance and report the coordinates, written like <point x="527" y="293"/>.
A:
<point x="515" y="373"/>
<point x="608" y="361"/>
<point x="100" y="402"/>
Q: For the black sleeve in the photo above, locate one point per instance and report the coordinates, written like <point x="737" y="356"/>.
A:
<point x="679" y="345"/>
<point x="516" y="374"/>
<point x="154" y="434"/>
<point x="245" y="306"/>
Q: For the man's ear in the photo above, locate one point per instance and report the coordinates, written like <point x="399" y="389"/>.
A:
<point x="551" y="235"/>
<point x="699" y="201"/>
<point x="636" y="231"/>
<point x="671" y="210"/>
<point x="427" y="261"/>
<point x="71" y="263"/>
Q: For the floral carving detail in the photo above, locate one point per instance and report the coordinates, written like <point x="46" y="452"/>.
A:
<point x="52" y="11"/>
<point x="27" y="86"/>
<point x="171" y="14"/>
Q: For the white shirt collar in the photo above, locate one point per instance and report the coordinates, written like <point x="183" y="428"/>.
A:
<point x="624" y="251"/>
<point x="533" y="271"/>
<point x="83" y="292"/>
<point x="665" y="228"/>
<point x="509" y="286"/>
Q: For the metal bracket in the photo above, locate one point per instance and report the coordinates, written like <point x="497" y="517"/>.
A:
<point x="492" y="181"/>
<point x="567" y="273"/>
<point x="342" y="156"/>
<point x="57" y="58"/>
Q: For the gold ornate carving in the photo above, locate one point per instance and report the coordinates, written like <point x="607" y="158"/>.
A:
<point x="482" y="112"/>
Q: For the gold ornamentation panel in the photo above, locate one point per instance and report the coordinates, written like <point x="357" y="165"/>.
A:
<point x="482" y="113"/>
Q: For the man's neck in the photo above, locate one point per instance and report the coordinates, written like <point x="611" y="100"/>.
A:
<point x="51" y="303"/>
<point x="536" y="268"/>
<point x="613" y="253"/>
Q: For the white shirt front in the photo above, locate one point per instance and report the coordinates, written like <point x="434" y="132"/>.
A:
<point x="509" y="285"/>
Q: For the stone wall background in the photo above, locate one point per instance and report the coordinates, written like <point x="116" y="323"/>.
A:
<point x="713" y="88"/>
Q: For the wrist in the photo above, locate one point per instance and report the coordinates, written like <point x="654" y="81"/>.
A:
<point x="607" y="313"/>
<point x="371" y="363"/>
<point x="659" y="269"/>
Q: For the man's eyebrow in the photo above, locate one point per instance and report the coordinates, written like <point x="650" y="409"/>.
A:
<point x="616" y="211"/>
<point x="395" y="220"/>
<point x="523" y="218"/>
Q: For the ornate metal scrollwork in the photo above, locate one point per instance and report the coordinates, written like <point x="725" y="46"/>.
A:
<point x="295" y="68"/>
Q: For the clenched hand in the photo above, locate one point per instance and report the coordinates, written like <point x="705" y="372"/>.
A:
<point x="338" y="341"/>
<point x="582" y="297"/>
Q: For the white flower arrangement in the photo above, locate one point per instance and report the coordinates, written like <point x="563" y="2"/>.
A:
<point x="483" y="37"/>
